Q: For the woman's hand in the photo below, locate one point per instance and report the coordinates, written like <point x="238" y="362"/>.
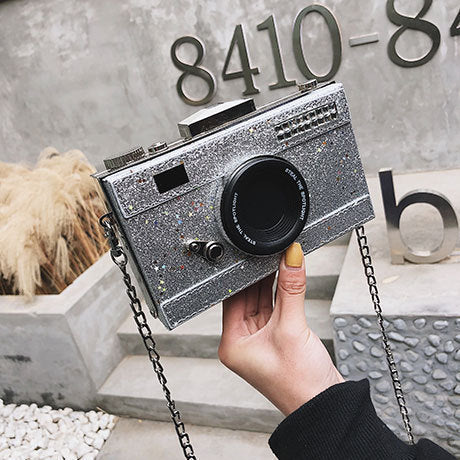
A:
<point x="272" y="347"/>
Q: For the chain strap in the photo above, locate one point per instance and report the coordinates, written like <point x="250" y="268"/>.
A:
<point x="120" y="259"/>
<point x="372" y="283"/>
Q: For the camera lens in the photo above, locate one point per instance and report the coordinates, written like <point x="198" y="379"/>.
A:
<point x="264" y="205"/>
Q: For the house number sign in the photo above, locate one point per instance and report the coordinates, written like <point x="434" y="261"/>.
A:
<point x="247" y="72"/>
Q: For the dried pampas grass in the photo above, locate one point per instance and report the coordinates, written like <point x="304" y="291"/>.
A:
<point x="49" y="229"/>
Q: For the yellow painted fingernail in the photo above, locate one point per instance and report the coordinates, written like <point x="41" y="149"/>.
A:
<point x="294" y="255"/>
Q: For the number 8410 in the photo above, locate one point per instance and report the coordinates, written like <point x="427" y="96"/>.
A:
<point x="247" y="72"/>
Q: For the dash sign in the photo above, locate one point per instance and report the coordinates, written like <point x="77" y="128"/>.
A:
<point x="363" y="39"/>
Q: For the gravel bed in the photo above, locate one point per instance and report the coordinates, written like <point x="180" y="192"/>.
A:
<point x="32" y="432"/>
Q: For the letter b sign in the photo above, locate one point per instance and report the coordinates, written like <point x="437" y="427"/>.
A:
<point x="399" y="249"/>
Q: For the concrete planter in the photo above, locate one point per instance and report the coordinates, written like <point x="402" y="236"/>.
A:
<point x="59" y="349"/>
<point x="421" y="304"/>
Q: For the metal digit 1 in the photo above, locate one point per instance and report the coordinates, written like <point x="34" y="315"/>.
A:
<point x="192" y="69"/>
<point x="336" y="42"/>
<point x="416" y="23"/>
<point x="269" y="24"/>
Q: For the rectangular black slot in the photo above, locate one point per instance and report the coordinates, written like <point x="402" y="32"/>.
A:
<point x="171" y="178"/>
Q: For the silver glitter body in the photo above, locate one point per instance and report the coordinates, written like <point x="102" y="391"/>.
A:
<point x="313" y="131"/>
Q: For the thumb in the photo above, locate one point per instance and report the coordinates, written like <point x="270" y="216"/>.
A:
<point x="290" y="295"/>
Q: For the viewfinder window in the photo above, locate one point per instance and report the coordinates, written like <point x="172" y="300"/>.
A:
<point x="171" y="178"/>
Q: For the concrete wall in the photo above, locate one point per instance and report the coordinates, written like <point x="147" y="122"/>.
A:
<point x="98" y="75"/>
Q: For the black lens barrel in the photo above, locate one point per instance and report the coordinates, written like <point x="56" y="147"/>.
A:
<point x="264" y="205"/>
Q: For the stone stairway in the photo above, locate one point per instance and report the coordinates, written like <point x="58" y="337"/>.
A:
<point x="205" y="391"/>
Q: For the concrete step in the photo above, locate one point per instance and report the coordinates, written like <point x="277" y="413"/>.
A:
<point x="200" y="336"/>
<point x="323" y="269"/>
<point x="136" y="439"/>
<point x="342" y="241"/>
<point x="205" y="391"/>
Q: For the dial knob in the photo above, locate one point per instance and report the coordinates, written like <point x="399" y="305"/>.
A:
<point x="158" y="147"/>
<point x="123" y="159"/>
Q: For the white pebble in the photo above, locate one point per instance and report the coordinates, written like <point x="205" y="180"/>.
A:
<point x="92" y="416"/>
<point x="33" y="425"/>
<point x="44" y="418"/>
<point x="20" y="433"/>
<point x="5" y="454"/>
<point x="105" y="434"/>
<point x="3" y="444"/>
<point x="51" y="427"/>
<point x="43" y="442"/>
<point x="18" y="413"/>
<point x="98" y="442"/>
<point x="88" y="439"/>
<point x="68" y="454"/>
<point x="63" y="426"/>
<point x="9" y="431"/>
<point x="15" y="442"/>
<point x="32" y="432"/>
<point x="83" y="449"/>
<point x="104" y="421"/>
<point x="8" y="410"/>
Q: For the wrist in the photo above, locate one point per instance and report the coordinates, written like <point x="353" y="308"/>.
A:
<point x="297" y="395"/>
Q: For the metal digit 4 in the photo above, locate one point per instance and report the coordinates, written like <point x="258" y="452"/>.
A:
<point x="247" y="72"/>
<point x="372" y="283"/>
<point x="120" y="259"/>
<point x="455" y="27"/>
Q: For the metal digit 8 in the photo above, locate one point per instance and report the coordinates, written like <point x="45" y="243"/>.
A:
<point x="192" y="69"/>
<point x="416" y="23"/>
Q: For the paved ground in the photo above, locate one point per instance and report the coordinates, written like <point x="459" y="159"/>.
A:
<point x="134" y="439"/>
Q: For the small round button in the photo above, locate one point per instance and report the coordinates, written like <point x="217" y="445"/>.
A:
<point x="214" y="251"/>
<point x="157" y="147"/>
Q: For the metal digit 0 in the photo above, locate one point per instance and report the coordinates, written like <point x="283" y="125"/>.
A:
<point x="192" y="69"/>
<point x="336" y="42"/>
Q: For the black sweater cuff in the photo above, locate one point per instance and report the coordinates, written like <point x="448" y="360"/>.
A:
<point x="341" y="423"/>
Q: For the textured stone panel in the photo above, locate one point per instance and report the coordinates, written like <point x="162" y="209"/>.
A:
<point x="430" y="384"/>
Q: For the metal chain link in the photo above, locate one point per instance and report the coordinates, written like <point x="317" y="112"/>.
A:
<point x="372" y="283"/>
<point x="120" y="259"/>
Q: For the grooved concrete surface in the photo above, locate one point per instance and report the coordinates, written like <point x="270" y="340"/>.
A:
<point x="98" y="76"/>
<point x="135" y="439"/>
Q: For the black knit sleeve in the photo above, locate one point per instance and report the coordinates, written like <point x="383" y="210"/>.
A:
<point x="340" y="424"/>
